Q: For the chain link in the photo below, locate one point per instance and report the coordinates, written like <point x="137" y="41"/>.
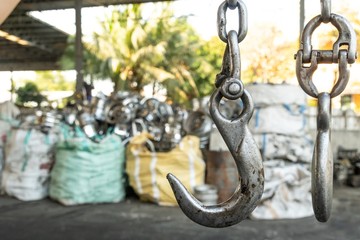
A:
<point x="326" y="10"/>
<point x="231" y="87"/>
<point x="229" y="79"/>
<point x="232" y="4"/>
<point x="222" y="20"/>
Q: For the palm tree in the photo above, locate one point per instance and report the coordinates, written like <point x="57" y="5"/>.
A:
<point x="123" y="46"/>
<point x="164" y="50"/>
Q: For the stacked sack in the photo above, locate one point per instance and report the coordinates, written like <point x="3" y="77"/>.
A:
<point x="279" y="128"/>
<point x="147" y="168"/>
<point x="8" y="115"/>
<point x="4" y="130"/>
<point x="87" y="171"/>
<point x="29" y="158"/>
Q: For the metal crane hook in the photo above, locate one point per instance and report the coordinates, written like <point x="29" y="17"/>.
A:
<point x="242" y="146"/>
<point x="249" y="164"/>
<point x="322" y="164"/>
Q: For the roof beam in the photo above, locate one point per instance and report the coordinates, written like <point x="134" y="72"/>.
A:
<point x="29" y="66"/>
<point x="33" y="43"/>
<point x="64" y="4"/>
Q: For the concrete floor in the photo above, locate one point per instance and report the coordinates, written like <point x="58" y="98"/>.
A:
<point x="132" y="219"/>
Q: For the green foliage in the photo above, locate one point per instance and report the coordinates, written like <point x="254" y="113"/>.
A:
<point x="136" y="51"/>
<point x="162" y="50"/>
<point x="92" y="64"/>
<point x="29" y="93"/>
<point x="127" y="56"/>
<point x="211" y="55"/>
<point x="53" y="81"/>
<point x="187" y="58"/>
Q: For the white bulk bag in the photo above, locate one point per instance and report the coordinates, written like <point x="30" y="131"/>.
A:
<point x="281" y="119"/>
<point x="4" y="131"/>
<point x="287" y="193"/>
<point x="29" y="157"/>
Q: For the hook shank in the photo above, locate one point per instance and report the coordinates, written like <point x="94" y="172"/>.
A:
<point x="322" y="164"/>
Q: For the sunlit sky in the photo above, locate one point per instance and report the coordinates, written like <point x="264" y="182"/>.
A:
<point x="283" y="13"/>
<point x="202" y="16"/>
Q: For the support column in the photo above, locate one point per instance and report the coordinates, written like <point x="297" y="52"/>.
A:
<point x="79" y="64"/>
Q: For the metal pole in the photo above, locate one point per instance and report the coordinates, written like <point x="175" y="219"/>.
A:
<point x="78" y="48"/>
<point x="302" y="16"/>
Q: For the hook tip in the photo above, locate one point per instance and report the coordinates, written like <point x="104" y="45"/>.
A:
<point x="174" y="181"/>
<point x="170" y="177"/>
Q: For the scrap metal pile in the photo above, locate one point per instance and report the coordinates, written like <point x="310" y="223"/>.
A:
<point x="43" y="149"/>
<point x="126" y="114"/>
<point x="347" y="167"/>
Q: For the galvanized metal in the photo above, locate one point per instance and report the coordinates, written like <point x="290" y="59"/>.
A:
<point x="322" y="162"/>
<point x="236" y="135"/>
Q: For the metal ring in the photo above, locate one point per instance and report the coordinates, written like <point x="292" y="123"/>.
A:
<point x="221" y="21"/>
<point x="325" y="10"/>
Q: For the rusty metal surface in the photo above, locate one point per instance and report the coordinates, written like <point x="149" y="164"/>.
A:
<point x="221" y="172"/>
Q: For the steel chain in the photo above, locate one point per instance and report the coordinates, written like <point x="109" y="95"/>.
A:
<point x="222" y="20"/>
<point x="229" y="79"/>
<point x="326" y="10"/>
<point x="232" y="4"/>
